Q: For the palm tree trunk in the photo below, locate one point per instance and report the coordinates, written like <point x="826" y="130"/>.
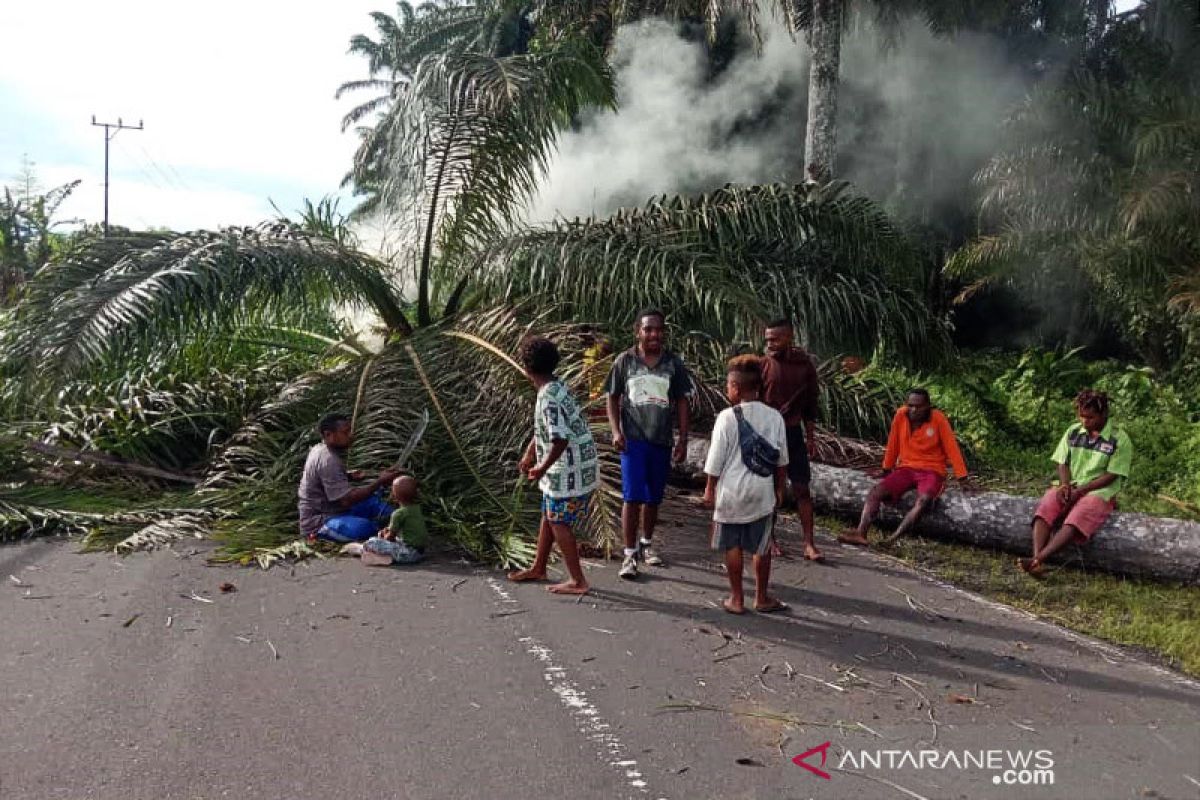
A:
<point x="1097" y="22"/>
<point x="1129" y="544"/>
<point x="825" y="36"/>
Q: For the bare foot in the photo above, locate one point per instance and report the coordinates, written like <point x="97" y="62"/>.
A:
<point x="1031" y="566"/>
<point x="732" y="607"/>
<point x="568" y="587"/>
<point x="526" y="576"/>
<point x="769" y="605"/>
<point x="811" y="553"/>
<point x="852" y="536"/>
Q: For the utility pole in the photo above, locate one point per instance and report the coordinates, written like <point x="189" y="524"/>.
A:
<point x="111" y="129"/>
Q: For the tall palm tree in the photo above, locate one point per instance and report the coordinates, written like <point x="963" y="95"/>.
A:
<point x="824" y="22"/>
<point x="1096" y="193"/>
<point x="463" y="141"/>
<point x="496" y="28"/>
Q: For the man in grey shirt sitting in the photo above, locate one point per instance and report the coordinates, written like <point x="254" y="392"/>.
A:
<point x="330" y="508"/>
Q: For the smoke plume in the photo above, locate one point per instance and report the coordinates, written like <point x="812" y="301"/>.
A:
<point x="918" y="116"/>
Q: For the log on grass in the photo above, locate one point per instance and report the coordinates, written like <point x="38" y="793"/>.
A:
<point x="1128" y="544"/>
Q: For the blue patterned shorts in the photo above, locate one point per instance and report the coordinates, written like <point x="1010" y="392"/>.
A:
<point x="566" y="510"/>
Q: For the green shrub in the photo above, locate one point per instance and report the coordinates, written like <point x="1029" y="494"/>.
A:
<point x="1009" y="411"/>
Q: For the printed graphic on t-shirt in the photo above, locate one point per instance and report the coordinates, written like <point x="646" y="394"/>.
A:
<point x="649" y="390"/>
<point x="557" y="416"/>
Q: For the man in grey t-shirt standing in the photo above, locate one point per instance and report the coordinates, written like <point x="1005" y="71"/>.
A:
<point x="647" y="390"/>
<point x="330" y="508"/>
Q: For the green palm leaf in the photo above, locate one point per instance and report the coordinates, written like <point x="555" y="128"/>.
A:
<point x="721" y="263"/>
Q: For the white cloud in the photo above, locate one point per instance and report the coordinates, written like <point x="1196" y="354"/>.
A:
<point x="237" y="99"/>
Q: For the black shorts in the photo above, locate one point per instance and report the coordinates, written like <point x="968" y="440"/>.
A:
<point x="798" y="470"/>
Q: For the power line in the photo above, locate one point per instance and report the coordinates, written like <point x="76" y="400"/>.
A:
<point x="142" y="167"/>
<point x="111" y="129"/>
<point x="172" y="182"/>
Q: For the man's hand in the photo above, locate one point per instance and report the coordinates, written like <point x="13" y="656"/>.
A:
<point x="526" y="463"/>
<point x="385" y="533"/>
<point x="356" y="475"/>
<point x="535" y="473"/>
<point x="387" y="476"/>
<point x="709" y="500"/>
<point x="680" y="450"/>
<point x="618" y="442"/>
<point x="1066" y="492"/>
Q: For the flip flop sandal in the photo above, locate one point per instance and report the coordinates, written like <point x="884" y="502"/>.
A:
<point x="772" y="609"/>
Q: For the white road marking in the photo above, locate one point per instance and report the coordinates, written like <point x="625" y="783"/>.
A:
<point x="587" y="717"/>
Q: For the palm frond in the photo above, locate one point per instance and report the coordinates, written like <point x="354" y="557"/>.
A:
<point x="471" y="135"/>
<point x="119" y="296"/>
<point x="721" y="263"/>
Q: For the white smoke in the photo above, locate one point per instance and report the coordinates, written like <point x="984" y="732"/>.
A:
<point x="675" y="131"/>
<point x="918" y="115"/>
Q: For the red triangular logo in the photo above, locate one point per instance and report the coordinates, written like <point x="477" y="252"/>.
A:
<point x="799" y="760"/>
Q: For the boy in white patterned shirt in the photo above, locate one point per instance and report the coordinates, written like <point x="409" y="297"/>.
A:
<point x="562" y="458"/>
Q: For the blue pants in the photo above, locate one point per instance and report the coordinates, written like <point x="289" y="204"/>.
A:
<point x="644" y="470"/>
<point x="359" y="523"/>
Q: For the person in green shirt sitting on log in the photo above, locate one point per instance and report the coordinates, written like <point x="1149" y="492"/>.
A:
<point x="1093" y="460"/>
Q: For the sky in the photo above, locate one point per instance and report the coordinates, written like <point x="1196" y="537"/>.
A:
<point x="236" y="99"/>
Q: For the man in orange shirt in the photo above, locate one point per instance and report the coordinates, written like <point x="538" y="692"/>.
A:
<point x="920" y="444"/>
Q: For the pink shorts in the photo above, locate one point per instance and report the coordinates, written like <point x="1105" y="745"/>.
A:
<point x="1086" y="515"/>
<point x="899" y="481"/>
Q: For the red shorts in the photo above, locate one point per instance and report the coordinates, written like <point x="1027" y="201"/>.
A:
<point x="1086" y="515"/>
<point x="899" y="481"/>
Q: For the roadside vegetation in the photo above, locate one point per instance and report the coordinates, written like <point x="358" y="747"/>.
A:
<point x="157" y="384"/>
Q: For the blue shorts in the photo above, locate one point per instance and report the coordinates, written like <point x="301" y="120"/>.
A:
<point x="569" y="511"/>
<point x="359" y="523"/>
<point x="644" y="470"/>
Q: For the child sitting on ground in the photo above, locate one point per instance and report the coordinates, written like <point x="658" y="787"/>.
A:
<point x="747" y="471"/>
<point x="404" y="540"/>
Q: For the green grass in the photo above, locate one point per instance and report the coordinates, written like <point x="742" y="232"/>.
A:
<point x="1162" y="619"/>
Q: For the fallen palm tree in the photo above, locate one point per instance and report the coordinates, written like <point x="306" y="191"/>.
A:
<point x="1128" y="544"/>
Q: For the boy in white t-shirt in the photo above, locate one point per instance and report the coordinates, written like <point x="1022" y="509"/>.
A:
<point x="747" y="471"/>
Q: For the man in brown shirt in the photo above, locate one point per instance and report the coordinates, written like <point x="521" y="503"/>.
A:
<point x="790" y="386"/>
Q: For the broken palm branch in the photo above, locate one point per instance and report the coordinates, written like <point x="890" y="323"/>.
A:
<point x="103" y="520"/>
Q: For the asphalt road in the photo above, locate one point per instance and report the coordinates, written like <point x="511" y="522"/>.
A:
<point x="334" y="680"/>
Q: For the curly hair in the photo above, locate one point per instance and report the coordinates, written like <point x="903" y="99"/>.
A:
<point x="538" y="355"/>
<point x="746" y="371"/>
<point x="1092" y="400"/>
<point x="330" y="423"/>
